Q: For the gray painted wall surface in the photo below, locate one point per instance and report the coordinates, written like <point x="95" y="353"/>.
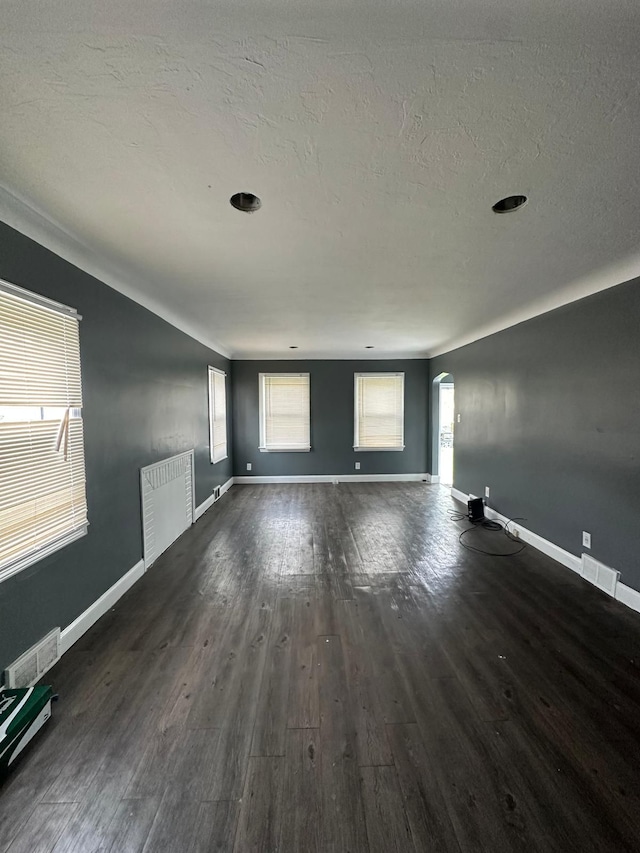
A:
<point x="551" y="422"/>
<point x="145" y="398"/>
<point x="331" y="420"/>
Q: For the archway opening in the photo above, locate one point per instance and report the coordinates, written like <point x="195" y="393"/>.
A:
<point x="443" y="427"/>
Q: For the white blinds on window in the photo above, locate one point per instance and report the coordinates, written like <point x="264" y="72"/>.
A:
<point x="217" y="414"/>
<point x="284" y="411"/>
<point x="379" y="411"/>
<point x="39" y="355"/>
<point x="42" y="476"/>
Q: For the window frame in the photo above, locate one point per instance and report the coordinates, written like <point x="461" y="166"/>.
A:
<point x="211" y="373"/>
<point x="263" y="447"/>
<point x="52" y="546"/>
<point x="357" y="416"/>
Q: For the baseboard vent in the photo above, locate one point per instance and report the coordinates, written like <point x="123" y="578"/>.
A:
<point x="600" y="575"/>
<point x="32" y="665"/>
<point x="216" y="493"/>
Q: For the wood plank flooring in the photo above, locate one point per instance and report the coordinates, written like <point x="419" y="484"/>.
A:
<point x="319" y="668"/>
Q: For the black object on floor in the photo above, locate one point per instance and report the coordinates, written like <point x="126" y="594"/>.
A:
<point x="476" y="509"/>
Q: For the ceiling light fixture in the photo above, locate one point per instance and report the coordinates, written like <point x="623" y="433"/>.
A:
<point x="246" y="202"/>
<point x="510" y="203"/>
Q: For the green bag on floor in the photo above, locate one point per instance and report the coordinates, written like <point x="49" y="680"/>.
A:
<point x="23" y="712"/>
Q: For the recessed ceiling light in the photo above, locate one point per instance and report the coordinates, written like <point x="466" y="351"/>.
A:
<point x="246" y="202"/>
<point x="511" y="202"/>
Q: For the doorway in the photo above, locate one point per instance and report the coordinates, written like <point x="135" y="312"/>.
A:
<point x="443" y="427"/>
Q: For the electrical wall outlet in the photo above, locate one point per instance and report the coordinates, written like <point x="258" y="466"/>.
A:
<point x="486" y="491"/>
<point x="248" y="466"/>
<point x="458" y="418"/>
<point x="357" y="466"/>
<point x="586" y="539"/>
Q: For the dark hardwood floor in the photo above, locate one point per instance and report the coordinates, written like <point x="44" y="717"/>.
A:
<point x="323" y="668"/>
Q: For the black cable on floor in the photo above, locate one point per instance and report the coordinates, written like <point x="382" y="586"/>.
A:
<point x="486" y="524"/>
<point x="456" y="515"/>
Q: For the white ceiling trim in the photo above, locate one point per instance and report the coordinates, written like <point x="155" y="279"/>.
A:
<point x="347" y="355"/>
<point x="619" y="273"/>
<point x="34" y="223"/>
<point x="24" y="217"/>
<point x="378" y="138"/>
<point x="39" y="226"/>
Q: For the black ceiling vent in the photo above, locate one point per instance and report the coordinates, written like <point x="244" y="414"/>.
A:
<point x="246" y="202"/>
<point x="510" y="203"/>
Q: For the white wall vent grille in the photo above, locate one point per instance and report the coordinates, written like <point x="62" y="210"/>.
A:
<point x="167" y="503"/>
<point x="600" y="575"/>
<point x="32" y="665"/>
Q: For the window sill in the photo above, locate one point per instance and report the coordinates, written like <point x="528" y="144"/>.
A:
<point x="222" y="458"/>
<point x="284" y="449"/>
<point x="377" y="449"/>
<point x="45" y="551"/>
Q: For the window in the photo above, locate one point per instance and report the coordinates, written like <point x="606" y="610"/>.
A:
<point x="284" y="412"/>
<point x="379" y="411"/>
<point x="42" y="478"/>
<point x="217" y="414"/>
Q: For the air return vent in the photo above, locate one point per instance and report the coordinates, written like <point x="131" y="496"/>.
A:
<point x="33" y="664"/>
<point x="167" y="503"/>
<point x="599" y="575"/>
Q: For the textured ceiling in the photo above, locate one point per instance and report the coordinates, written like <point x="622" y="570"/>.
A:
<point x="378" y="136"/>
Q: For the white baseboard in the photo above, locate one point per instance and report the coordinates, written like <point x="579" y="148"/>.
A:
<point x="549" y="548"/>
<point x="79" y="626"/>
<point x="628" y="596"/>
<point x="433" y="478"/>
<point x="334" y="478"/>
<point x="72" y="633"/>
<point x="624" y="594"/>
<point x="205" y="505"/>
<point x="566" y="558"/>
<point x="226" y="486"/>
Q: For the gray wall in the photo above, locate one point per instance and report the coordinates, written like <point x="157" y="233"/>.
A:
<point x="145" y="398"/>
<point x="331" y="420"/>
<point x="550" y="420"/>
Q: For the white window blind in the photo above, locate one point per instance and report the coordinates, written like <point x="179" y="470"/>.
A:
<point x="284" y="412"/>
<point x="379" y="411"/>
<point x="42" y="475"/>
<point x="217" y="414"/>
